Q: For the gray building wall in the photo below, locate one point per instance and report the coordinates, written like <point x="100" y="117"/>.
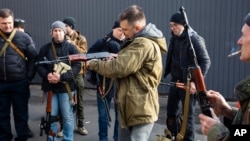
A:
<point x="218" y="21"/>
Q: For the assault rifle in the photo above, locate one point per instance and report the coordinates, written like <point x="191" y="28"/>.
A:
<point x="78" y="57"/>
<point x="197" y="75"/>
<point x="45" y="124"/>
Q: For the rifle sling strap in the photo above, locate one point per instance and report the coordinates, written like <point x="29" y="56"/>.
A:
<point x="9" y="42"/>
<point x="182" y="133"/>
<point x="65" y="83"/>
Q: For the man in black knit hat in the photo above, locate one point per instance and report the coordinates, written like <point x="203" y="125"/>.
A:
<point x="76" y="38"/>
<point x="179" y="59"/>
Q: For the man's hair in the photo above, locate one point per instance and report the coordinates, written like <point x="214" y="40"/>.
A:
<point x="133" y="14"/>
<point x="5" y="13"/>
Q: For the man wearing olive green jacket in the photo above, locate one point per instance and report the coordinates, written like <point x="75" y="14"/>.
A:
<point x="138" y="70"/>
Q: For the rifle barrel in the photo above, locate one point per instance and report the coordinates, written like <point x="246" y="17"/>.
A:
<point x="77" y="57"/>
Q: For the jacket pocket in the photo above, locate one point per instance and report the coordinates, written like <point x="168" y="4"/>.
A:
<point x="140" y="106"/>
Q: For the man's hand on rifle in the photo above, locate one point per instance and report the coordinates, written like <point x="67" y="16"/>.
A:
<point x="219" y="104"/>
<point x="207" y="122"/>
<point x="192" y="88"/>
<point x="183" y="86"/>
<point x="53" y="77"/>
<point x="111" y="57"/>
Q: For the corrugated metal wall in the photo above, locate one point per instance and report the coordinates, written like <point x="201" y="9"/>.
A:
<point x="218" y="21"/>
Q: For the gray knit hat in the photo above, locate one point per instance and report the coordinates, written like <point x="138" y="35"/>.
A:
<point x="247" y="19"/>
<point x="58" y="24"/>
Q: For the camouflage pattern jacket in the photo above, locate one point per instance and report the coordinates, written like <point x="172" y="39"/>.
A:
<point x="241" y="116"/>
<point x="81" y="43"/>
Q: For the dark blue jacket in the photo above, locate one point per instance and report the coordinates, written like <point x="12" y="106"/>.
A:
<point x="107" y="44"/>
<point x="12" y="66"/>
<point x="186" y="54"/>
<point x="63" y="50"/>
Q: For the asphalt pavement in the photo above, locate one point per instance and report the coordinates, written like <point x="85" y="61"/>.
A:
<point x="37" y="110"/>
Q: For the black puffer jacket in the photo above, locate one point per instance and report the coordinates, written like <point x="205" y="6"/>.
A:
<point x="186" y="55"/>
<point x="62" y="49"/>
<point x="12" y="66"/>
<point x="107" y="44"/>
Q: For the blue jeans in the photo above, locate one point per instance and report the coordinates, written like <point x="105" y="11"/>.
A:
<point x="15" y="94"/>
<point x="140" y="132"/>
<point x="61" y="101"/>
<point x="175" y="96"/>
<point x="102" y="116"/>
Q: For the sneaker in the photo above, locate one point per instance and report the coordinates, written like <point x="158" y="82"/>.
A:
<point x="59" y="133"/>
<point x="82" y="131"/>
<point x="30" y="133"/>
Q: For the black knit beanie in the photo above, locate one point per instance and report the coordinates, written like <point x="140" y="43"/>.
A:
<point x="19" y="23"/>
<point x="177" y="18"/>
<point x="247" y="19"/>
<point x="116" y="24"/>
<point x="70" y="21"/>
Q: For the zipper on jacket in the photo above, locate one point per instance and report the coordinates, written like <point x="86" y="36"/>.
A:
<point x="4" y="66"/>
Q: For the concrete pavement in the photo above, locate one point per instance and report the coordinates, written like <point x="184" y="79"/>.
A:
<point x="37" y="110"/>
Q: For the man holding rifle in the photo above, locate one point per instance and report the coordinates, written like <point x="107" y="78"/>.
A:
<point x="56" y="81"/>
<point x="105" y="87"/>
<point x="180" y="58"/>
<point x="138" y="71"/>
<point x="212" y="127"/>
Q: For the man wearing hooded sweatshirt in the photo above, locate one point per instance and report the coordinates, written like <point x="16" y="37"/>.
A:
<point x="138" y="70"/>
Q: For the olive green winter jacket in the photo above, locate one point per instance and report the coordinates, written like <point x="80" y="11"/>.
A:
<point x="138" y="71"/>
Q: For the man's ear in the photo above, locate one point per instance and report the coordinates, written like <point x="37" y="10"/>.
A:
<point x="137" y="27"/>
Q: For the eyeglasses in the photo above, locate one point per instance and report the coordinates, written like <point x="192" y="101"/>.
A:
<point x="19" y="20"/>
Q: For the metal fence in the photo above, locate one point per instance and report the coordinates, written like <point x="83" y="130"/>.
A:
<point x="218" y="21"/>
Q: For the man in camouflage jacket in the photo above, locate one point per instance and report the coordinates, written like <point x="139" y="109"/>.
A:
<point x="212" y="127"/>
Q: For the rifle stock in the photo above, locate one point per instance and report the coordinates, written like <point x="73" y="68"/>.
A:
<point x="201" y="91"/>
<point x="49" y="102"/>
<point x="46" y="122"/>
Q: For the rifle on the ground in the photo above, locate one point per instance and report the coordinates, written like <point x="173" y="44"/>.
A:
<point x="77" y="57"/>
<point x="45" y="124"/>
<point x="197" y="75"/>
